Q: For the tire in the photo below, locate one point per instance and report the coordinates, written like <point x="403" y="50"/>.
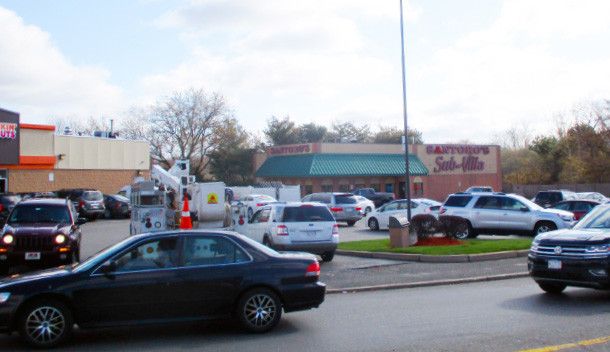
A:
<point x="45" y="323"/>
<point x="351" y="223"/>
<point x="328" y="256"/>
<point x="267" y="242"/>
<point x="553" y="289"/>
<point x="259" y="310"/>
<point x="465" y="232"/>
<point x="373" y="224"/>
<point x="544" y="226"/>
<point x="107" y="214"/>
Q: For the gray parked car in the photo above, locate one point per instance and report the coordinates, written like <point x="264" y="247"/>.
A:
<point x="343" y="206"/>
<point x="500" y="213"/>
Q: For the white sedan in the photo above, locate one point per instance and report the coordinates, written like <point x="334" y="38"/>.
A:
<point x="380" y="218"/>
<point x="366" y="204"/>
<point x="251" y="202"/>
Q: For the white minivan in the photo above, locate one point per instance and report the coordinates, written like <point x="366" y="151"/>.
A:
<point x="294" y="226"/>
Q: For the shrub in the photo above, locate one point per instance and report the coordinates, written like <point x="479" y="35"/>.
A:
<point x="424" y="225"/>
<point x="452" y="225"/>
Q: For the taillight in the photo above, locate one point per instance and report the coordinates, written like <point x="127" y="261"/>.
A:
<point x="0" y="207"/>
<point x="81" y="204"/>
<point x="282" y="230"/>
<point x="335" y="229"/>
<point x="442" y="211"/>
<point x="358" y="208"/>
<point x="260" y="204"/>
<point x="336" y="209"/>
<point x="313" y="270"/>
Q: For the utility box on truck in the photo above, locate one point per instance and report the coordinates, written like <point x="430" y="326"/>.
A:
<point x="148" y="208"/>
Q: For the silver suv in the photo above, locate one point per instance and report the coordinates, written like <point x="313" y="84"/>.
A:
<point x="500" y="213"/>
<point x="344" y="206"/>
<point x="295" y="226"/>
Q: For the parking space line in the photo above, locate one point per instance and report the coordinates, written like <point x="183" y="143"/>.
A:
<point x="570" y="345"/>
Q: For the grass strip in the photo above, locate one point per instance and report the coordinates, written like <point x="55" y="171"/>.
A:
<point x="473" y="246"/>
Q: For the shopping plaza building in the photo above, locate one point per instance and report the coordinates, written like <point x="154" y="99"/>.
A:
<point x="436" y="170"/>
<point x="33" y="158"/>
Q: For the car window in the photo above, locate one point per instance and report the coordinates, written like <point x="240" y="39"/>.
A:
<point x="148" y="256"/>
<point x="256" y="216"/>
<point x="391" y="206"/>
<point x="264" y="215"/>
<point x="212" y="251"/>
<point x="562" y="206"/>
<point x="93" y="195"/>
<point x="511" y="204"/>
<point x="598" y="218"/>
<point x="345" y="199"/>
<point x="581" y="206"/>
<point x="457" y="201"/>
<point x="307" y="214"/>
<point x="488" y="203"/>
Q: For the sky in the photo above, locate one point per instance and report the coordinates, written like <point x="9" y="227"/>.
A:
<point x="474" y="69"/>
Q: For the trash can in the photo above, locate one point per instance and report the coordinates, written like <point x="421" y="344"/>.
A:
<point x="399" y="232"/>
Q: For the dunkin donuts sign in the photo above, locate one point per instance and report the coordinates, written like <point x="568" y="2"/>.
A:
<point x="9" y="138"/>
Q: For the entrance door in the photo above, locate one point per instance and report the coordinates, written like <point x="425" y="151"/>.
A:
<point x="3" y="181"/>
<point x="401" y="190"/>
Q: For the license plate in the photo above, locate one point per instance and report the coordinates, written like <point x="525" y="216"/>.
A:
<point x="311" y="233"/>
<point x="555" y="264"/>
<point x="32" y="256"/>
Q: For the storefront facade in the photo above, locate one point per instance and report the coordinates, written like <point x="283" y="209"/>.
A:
<point x="435" y="170"/>
<point x="34" y="159"/>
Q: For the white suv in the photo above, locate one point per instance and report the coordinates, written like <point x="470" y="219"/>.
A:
<point x="308" y="227"/>
<point x="500" y="213"/>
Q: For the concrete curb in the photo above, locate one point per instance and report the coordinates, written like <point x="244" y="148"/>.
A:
<point x="427" y="283"/>
<point x="436" y="258"/>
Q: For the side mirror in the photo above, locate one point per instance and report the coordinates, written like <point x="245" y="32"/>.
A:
<point x="524" y="209"/>
<point x="81" y="221"/>
<point x="108" y="269"/>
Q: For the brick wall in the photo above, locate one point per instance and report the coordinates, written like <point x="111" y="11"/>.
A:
<point x="107" y="181"/>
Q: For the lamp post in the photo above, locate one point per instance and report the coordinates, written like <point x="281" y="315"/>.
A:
<point x="404" y="104"/>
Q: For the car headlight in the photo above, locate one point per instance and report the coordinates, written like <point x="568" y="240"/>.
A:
<point x="4" y="296"/>
<point x="602" y="248"/>
<point x="566" y="217"/>
<point x="59" y="239"/>
<point x="8" y="239"/>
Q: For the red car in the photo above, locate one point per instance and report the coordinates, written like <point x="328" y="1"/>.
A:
<point x="40" y="233"/>
<point x="577" y="206"/>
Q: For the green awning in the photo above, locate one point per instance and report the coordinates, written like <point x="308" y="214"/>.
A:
<point x="337" y="165"/>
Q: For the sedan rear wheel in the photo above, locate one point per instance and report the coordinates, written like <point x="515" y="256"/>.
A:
<point x="107" y="214"/>
<point x="259" y="310"/>
<point x="45" y="323"/>
<point x="373" y="224"/>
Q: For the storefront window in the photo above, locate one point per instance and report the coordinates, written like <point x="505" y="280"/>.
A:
<point x="327" y="188"/>
<point x="389" y="187"/>
<point x="343" y="188"/>
<point x="359" y="185"/>
<point x="418" y="188"/>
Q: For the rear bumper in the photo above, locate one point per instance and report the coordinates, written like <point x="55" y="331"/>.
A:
<point x="316" y="248"/>
<point x="303" y="298"/>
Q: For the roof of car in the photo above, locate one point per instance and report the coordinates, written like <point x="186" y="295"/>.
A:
<point x="56" y="201"/>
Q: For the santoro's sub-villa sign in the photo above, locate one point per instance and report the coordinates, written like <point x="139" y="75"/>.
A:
<point x="458" y="157"/>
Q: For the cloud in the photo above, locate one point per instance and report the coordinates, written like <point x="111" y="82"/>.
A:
<point x="37" y="80"/>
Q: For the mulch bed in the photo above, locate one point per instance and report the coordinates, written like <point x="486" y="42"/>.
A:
<point x="439" y="241"/>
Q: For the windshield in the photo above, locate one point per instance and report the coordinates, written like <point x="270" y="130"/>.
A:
<point x="33" y="213"/>
<point x="121" y="198"/>
<point x="307" y="213"/>
<point x="345" y="199"/>
<point x="598" y="218"/>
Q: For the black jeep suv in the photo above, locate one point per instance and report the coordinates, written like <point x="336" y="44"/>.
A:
<point x="40" y="233"/>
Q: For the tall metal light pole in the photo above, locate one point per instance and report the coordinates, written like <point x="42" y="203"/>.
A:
<point x="404" y="104"/>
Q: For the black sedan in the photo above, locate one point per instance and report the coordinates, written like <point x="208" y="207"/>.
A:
<point x="574" y="257"/>
<point x="162" y="277"/>
<point x="117" y="206"/>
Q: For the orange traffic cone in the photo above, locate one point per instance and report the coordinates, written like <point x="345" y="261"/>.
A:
<point x="185" y="220"/>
